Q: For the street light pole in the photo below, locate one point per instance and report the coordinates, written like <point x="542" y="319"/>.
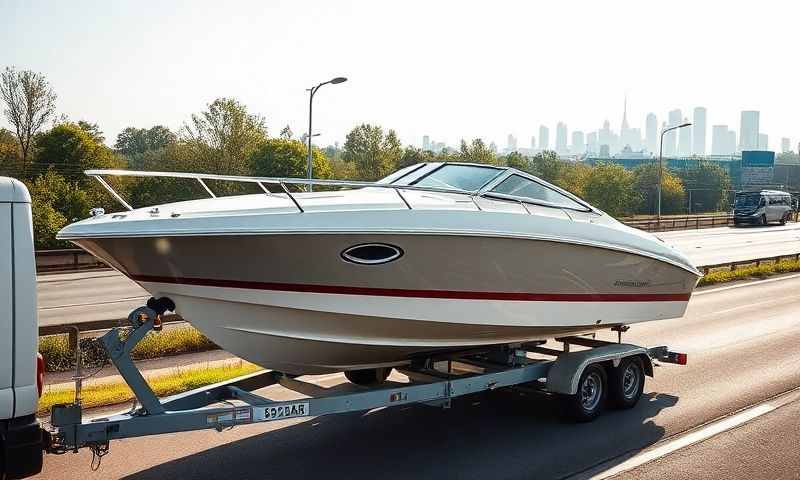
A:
<point x="312" y="91"/>
<point x="661" y="165"/>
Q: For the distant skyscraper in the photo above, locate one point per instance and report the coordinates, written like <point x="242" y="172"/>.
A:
<point x="748" y="130"/>
<point x="591" y="143"/>
<point x="561" y="137"/>
<point x="544" y="137"/>
<point x="651" y="132"/>
<point x="533" y="142"/>
<point x="719" y="140"/>
<point x="511" y="143"/>
<point x="606" y="138"/>
<point x="628" y="136"/>
<point x="731" y="145"/>
<point x="578" y="145"/>
<point x="426" y="142"/>
<point x="763" y="141"/>
<point x="685" y="139"/>
<point x="671" y="138"/>
<point x="699" y="131"/>
<point x="786" y="145"/>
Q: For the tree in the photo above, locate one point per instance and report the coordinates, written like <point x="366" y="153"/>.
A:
<point x="573" y="177"/>
<point x="673" y="196"/>
<point x="30" y="103"/>
<point x="286" y="133"/>
<point x="93" y="130"/>
<point x="136" y="141"/>
<point x="610" y="188"/>
<point x="518" y="161"/>
<point x="71" y="150"/>
<point x="547" y="166"/>
<point x="225" y="136"/>
<point x="278" y="157"/>
<point x="413" y="155"/>
<point x="709" y="184"/>
<point x="9" y="153"/>
<point x="374" y="154"/>
<point x="55" y="202"/>
<point x="476" y="152"/>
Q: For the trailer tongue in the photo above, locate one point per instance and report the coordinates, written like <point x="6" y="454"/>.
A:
<point x="587" y="379"/>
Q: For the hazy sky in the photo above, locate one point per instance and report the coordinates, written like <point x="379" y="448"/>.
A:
<point x="447" y="69"/>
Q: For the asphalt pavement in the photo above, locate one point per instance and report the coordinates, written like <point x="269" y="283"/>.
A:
<point x="742" y="346"/>
<point x="68" y="298"/>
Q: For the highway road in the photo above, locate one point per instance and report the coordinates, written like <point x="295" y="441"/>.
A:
<point x="742" y="342"/>
<point x="727" y="244"/>
<point x="103" y="295"/>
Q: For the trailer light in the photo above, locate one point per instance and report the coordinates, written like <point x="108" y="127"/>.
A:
<point x="157" y="323"/>
<point x="39" y="373"/>
<point x="681" y="359"/>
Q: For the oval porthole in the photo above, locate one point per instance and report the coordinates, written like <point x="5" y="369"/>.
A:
<point x="372" y="253"/>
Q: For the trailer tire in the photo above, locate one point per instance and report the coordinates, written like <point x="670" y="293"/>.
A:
<point x="369" y="376"/>
<point x="626" y="383"/>
<point x="587" y="403"/>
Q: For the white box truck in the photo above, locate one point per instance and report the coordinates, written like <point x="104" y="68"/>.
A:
<point x="21" y="366"/>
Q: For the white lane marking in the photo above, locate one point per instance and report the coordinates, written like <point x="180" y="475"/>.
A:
<point x="687" y="440"/>
<point x="748" y="284"/>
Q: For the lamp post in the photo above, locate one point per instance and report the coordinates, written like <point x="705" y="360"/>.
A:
<point x="312" y="91"/>
<point x="661" y="165"/>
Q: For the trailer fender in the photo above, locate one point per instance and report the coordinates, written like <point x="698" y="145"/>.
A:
<point x="566" y="371"/>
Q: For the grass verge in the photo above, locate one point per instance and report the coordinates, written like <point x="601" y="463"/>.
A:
<point x="181" y="380"/>
<point x="750" y="272"/>
<point x="59" y="355"/>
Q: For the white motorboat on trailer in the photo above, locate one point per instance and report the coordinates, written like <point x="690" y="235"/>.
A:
<point x="435" y="257"/>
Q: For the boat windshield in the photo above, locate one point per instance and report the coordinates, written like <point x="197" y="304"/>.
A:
<point x="518" y="186"/>
<point x="459" y="177"/>
<point x="748" y="200"/>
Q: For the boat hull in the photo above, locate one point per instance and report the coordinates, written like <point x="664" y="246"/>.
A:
<point x="293" y="303"/>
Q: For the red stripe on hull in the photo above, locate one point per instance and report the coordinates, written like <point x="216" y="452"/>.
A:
<point x="394" y="292"/>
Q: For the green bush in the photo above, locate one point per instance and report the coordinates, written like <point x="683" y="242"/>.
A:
<point x="760" y="271"/>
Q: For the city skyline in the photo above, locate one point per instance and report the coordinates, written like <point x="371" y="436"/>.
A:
<point x="698" y="139"/>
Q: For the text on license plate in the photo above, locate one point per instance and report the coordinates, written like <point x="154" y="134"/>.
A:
<point x="287" y="410"/>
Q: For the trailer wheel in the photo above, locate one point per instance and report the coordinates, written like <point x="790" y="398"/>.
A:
<point x="763" y="219"/>
<point x="626" y="383"/>
<point x="587" y="403"/>
<point x="370" y="376"/>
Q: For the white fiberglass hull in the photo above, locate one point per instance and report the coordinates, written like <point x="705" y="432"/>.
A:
<point x="307" y="333"/>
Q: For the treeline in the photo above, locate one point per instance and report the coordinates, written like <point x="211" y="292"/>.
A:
<point x="50" y="153"/>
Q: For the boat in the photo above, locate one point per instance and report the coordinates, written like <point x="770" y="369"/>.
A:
<point x="319" y="276"/>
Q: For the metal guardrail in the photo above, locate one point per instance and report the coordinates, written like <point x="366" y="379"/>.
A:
<point x="681" y="223"/>
<point x="65" y="260"/>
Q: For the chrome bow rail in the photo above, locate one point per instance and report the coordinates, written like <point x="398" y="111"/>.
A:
<point x="262" y="181"/>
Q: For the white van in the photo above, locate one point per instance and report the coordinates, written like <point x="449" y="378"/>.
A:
<point x="762" y="207"/>
<point x="21" y="366"/>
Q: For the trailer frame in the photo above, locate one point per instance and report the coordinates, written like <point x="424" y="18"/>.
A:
<point x="434" y="380"/>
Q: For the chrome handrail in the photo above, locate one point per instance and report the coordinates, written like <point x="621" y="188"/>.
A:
<point x="260" y="181"/>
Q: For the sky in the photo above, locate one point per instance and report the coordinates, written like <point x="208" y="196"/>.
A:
<point x="450" y="70"/>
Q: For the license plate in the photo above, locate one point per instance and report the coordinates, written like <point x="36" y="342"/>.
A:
<point x="278" y="412"/>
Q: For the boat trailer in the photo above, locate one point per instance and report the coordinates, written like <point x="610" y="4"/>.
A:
<point x="586" y="379"/>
